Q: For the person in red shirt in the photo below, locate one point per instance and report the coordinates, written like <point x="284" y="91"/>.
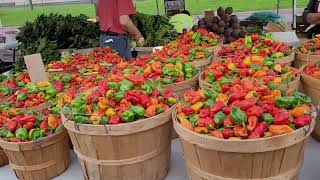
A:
<point x="116" y="25"/>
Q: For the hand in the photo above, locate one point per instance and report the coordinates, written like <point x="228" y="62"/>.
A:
<point x="141" y="42"/>
<point x="133" y="44"/>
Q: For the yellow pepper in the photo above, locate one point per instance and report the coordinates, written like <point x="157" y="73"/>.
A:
<point x="43" y="84"/>
<point x="278" y="68"/>
<point x="147" y="69"/>
<point x="251" y="94"/>
<point x="172" y="100"/>
<point x="179" y="68"/>
<point x="256" y="59"/>
<point x="59" y="103"/>
<point x="277" y="80"/>
<point x="110" y="112"/>
<point x="231" y="65"/>
<point x="199" y="55"/>
<point x="247" y="61"/>
<point x="222" y="97"/>
<point x="197" y="106"/>
<point x="95" y="119"/>
<point x="201" y="130"/>
<point x="184" y="121"/>
<point x="103" y="103"/>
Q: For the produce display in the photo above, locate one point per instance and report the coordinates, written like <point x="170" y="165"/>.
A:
<point x="32" y="126"/>
<point x="226" y="24"/>
<point x="200" y="37"/>
<point x="312" y="69"/>
<point x="255" y="66"/>
<point x="247" y="110"/>
<point x="262" y="45"/>
<point x="166" y="71"/>
<point x="119" y="101"/>
<point x="17" y="80"/>
<point x="312" y="46"/>
<point x="156" y="29"/>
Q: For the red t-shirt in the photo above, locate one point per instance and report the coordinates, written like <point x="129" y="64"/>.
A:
<point x="109" y="12"/>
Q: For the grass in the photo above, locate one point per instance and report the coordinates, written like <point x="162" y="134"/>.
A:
<point x="19" y="15"/>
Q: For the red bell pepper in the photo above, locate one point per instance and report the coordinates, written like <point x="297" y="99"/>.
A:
<point x="43" y="125"/>
<point x="11" y="125"/>
<point x="236" y="88"/>
<point x="226" y="110"/>
<point x="203" y="113"/>
<point x="115" y="120"/>
<point x="16" y="140"/>
<point x="29" y="125"/>
<point x="282" y="118"/>
<point x="261" y="128"/>
<point x="217" y="107"/>
<point x="254" y="135"/>
<point x="267" y="106"/>
<point x="240" y="131"/>
<point x="28" y="118"/>
<point x="255" y="111"/>
<point x="252" y="123"/>
<point x="228" y="122"/>
<point x="240" y="95"/>
<point x="247" y="103"/>
<point x="187" y="110"/>
<point x="302" y="121"/>
<point x="227" y="133"/>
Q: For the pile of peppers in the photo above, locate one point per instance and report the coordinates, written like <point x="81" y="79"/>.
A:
<point x="312" y="46"/>
<point x="32" y="95"/>
<point x="4" y="91"/>
<point x="15" y="126"/>
<point x="312" y="69"/>
<point x="245" y="110"/>
<point x="119" y="101"/>
<point x="17" y="80"/>
<point x="173" y="70"/>
<point x="262" y="45"/>
<point x="201" y="38"/>
<point x="95" y="61"/>
<point x="255" y="66"/>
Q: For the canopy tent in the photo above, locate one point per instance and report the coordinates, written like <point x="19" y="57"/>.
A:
<point x="294" y="12"/>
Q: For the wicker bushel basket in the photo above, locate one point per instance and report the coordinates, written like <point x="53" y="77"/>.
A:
<point x="201" y="65"/>
<point x="302" y="59"/>
<point x="291" y="86"/>
<point x="3" y="158"/>
<point x="181" y="87"/>
<point x="274" y="158"/>
<point x="137" y="150"/>
<point x="311" y="87"/>
<point x="286" y="60"/>
<point x="43" y="159"/>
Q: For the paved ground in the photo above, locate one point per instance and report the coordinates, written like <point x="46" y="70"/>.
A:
<point x="310" y="170"/>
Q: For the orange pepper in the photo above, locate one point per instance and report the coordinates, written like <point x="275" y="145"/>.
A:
<point x="300" y="110"/>
<point x="154" y="101"/>
<point x="265" y="68"/>
<point x="267" y="134"/>
<point x="156" y="67"/>
<point x="151" y="110"/>
<point x="303" y="50"/>
<point x="184" y="121"/>
<point x="276" y="94"/>
<point x="103" y="103"/>
<point x="256" y="59"/>
<point x="67" y="98"/>
<point x="89" y="109"/>
<point x="169" y="65"/>
<point x="116" y="78"/>
<point x="199" y="55"/>
<point x="201" y="130"/>
<point x="222" y="97"/>
<point x="277" y="67"/>
<point x="122" y="65"/>
<point x="259" y="74"/>
<point x="96" y="68"/>
<point x="277" y="80"/>
<point x="280" y="129"/>
<point x="316" y="74"/>
<point x="52" y="122"/>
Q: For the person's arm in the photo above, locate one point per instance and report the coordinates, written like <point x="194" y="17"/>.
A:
<point x="309" y="16"/>
<point x="97" y="10"/>
<point x="128" y="26"/>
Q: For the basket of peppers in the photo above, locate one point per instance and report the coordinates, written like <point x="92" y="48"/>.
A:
<point x="122" y="113"/>
<point x="307" y="51"/>
<point x="247" y="122"/>
<point x="263" y="69"/>
<point x="261" y="45"/>
<point x="310" y="79"/>
<point x="25" y="135"/>
<point x="173" y="73"/>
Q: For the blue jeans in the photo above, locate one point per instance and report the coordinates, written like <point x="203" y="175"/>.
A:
<point x="118" y="43"/>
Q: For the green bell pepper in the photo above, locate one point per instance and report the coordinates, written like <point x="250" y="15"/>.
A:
<point x="209" y="103"/>
<point x="147" y="88"/>
<point x="32" y="88"/>
<point x="113" y="85"/>
<point x="126" y="85"/>
<point x="3" y="132"/>
<point x="119" y="95"/>
<point x="81" y="119"/>
<point x="267" y="117"/>
<point x="21" y="84"/>
<point x="219" y="117"/>
<point x="170" y="72"/>
<point x="22" y="97"/>
<point x="66" y="78"/>
<point x="277" y="55"/>
<point x="287" y="102"/>
<point x="35" y="134"/>
<point x="10" y="135"/>
<point x="255" y="67"/>
<point x="194" y="120"/>
<point x="210" y="78"/>
<point x="138" y="111"/>
<point x="127" y="116"/>
<point x="302" y="97"/>
<point x="167" y="80"/>
<point x="210" y="93"/>
<point x="22" y="133"/>
<point x="248" y="41"/>
<point x="238" y="116"/>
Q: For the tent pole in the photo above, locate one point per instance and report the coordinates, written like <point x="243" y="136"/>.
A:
<point x="157" y="7"/>
<point x="278" y="6"/>
<point x="294" y="14"/>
